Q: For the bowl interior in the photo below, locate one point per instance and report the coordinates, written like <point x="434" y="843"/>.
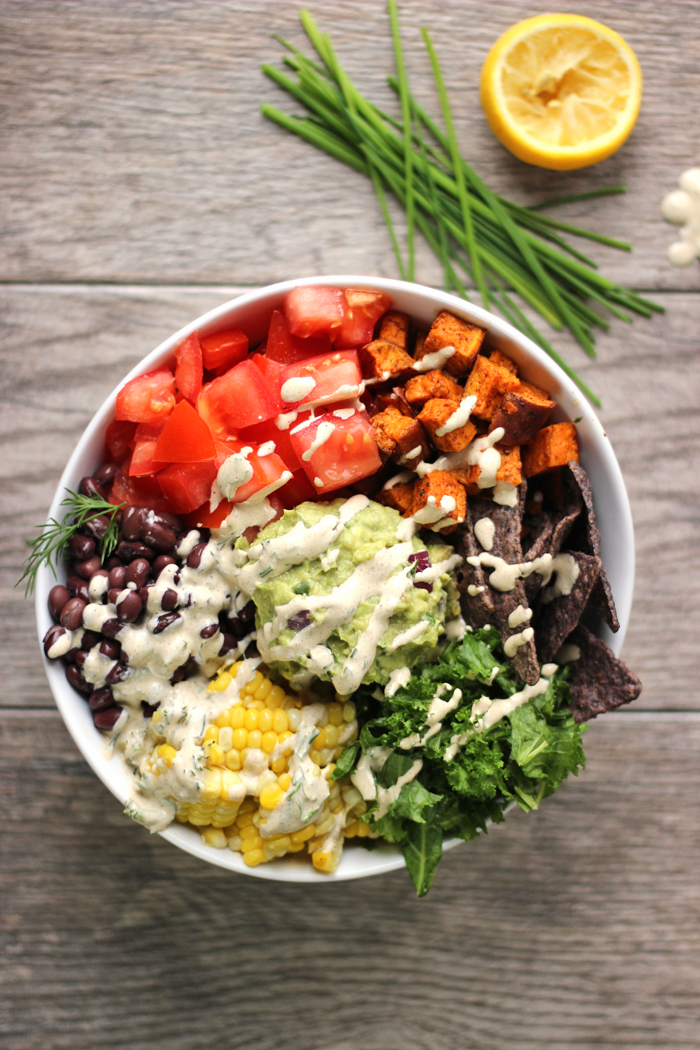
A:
<point x="251" y="312"/>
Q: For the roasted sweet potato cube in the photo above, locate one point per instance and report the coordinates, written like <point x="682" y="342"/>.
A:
<point x="438" y="498"/>
<point x="521" y="416"/>
<point x="536" y="393"/>
<point x="465" y="338"/>
<point x="489" y="382"/>
<point x="432" y="384"/>
<point x="401" y="436"/>
<point x="497" y="358"/>
<point x="510" y="469"/>
<point x="420" y="342"/>
<point x="552" y="447"/>
<point x="399" y="496"/>
<point x="395" y="398"/>
<point x="469" y="477"/>
<point x="383" y="360"/>
<point x="393" y="327"/>
<point x="443" y="421"/>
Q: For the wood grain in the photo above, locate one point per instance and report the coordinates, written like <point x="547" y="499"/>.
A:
<point x="133" y="148"/>
<point x="575" y="927"/>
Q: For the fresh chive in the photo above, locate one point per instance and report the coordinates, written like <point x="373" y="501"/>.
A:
<point x="406" y="118"/>
<point x="588" y="195"/>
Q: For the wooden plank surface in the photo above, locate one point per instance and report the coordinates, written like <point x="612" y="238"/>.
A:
<point x="575" y="927"/>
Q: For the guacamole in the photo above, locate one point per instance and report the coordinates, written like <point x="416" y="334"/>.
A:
<point x="346" y="591"/>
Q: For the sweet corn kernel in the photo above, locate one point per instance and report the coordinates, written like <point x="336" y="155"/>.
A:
<point x="275" y="697"/>
<point x="336" y="807"/>
<point x="331" y="732"/>
<point x="254" y="705"/>
<point x="226" y="737"/>
<point x="351" y="829"/>
<point x="270" y="796"/>
<point x="255" y="683"/>
<point x="244" y="754"/>
<point x="156" y="716"/>
<point x="212" y="785"/>
<point x="233" y="669"/>
<point x="224" y="719"/>
<point x="268" y="742"/>
<point x="239" y="738"/>
<point x="323" y="720"/>
<point x="325" y="861"/>
<point x="254" y="738"/>
<point x="319" y="741"/>
<point x="296" y="847"/>
<point x="348" y="711"/>
<point x="294" y="717"/>
<point x="248" y="805"/>
<point x="265" y="719"/>
<point x="251" y="719"/>
<point x="335" y="714"/>
<point x="362" y="830"/>
<point x="234" y="843"/>
<point x="279" y="765"/>
<point x="284" y="780"/>
<point x="325" y="826"/>
<point x="215" y="755"/>
<point x="212" y="733"/>
<point x="278" y="843"/>
<point x="167" y="753"/>
<point x="254" y="857"/>
<point x="247" y="830"/>
<point x="233" y="759"/>
<point x="213" y="837"/>
<point x="229" y="779"/>
<point x="219" y="684"/>
<point x="280" y="721"/>
<point x="263" y="690"/>
<point x="251" y="842"/>
<point x="304" y="834"/>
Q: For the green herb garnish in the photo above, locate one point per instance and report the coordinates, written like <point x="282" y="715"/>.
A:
<point x="501" y="246"/>
<point x="48" y="547"/>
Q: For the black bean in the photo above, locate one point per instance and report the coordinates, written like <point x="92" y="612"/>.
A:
<point x="81" y="547"/>
<point x="130" y="608"/>
<point x="97" y="527"/>
<point x="117" y="576"/>
<point x="99" y="572"/>
<point x="161" y="537"/>
<point x="164" y="621"/>
<point x="58" y="596"/>
<point x="143" y="594"/>
<point x="72" y="614"/>
<point x="76" y="679"/>
<point x="80" y="658"/>
<point x="113" y="593"/>
<point x="195" y="555"/>
<point x="114" y="563"/>
<point x="238" y="628"/>
<point x="137" y="572"/>
<point x="78" y="588"/>
<point x="89" y="640"/>
<point x="111" y="628"/>
<point x="101" y="698"/>
<point x="90" y="487"/>
<point x="106" y="474"/>
<point x="187" y="669"/>
<point x="229" y="643"/>
<point x="149" y="709"/>
<point x="52" y="635"/>
<point x="209" y="631"/>
<point x="159" y="564"/>
<point x="108" y="718"/>
<point x="117" y="673"/>
<point x="112" y="650"/>
<point x="169" y="600"/>
<point x="132" y="520"/>
<point x="247" y="613"/>
<point x="88" y="568"/>
<point x="299" y="620"/>
<point x="129" y="550"/>
<point x="69" y="657"/>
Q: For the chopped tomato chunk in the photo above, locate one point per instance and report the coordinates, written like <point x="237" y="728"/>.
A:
<point x="286" y="348"/>
<point x="336" y="449"/>
<point x="187" y="485"/>
<point x="237" y="400"/>
<point x="269" y="472"/>
<point x="225" y="348"/>
<point x="185" y="438"/>
<point x="118" y="440"/>
<point x="364" y="310"/>
<point x="321" y="380"/>
<point x="138" y="492"/>
<point x="147" y="398"/>
<point x="262" y="433"/>
<point x="314" y="310"/>
<point x="298" y="490"/>
<point x="214" y="519"/>
<point x="272" y="371"/>
<point x="143" y="458"/>
<point x="188" y="370"/>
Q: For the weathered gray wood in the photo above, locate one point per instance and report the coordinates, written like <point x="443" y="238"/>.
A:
<point x="575" y="927"/>
<point x="66" y="348"/>
<point x="133" y="147"/>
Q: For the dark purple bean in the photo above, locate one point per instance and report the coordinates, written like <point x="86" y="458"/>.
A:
<point x="58" y="596"/>
<point x="106" y="474"/>
<point x="164" y="621"/>
<point x="169" y="600"/>
<point x="129" y="550"/>
<point x="51" y="636"/>
<point x="424" y="586"/>
<point x="100" y="572"/>
<point x="238" y="629"/>
<point x="69" y="657"/>
<point x="114" y="563"/>
<point x="132" y="520"/>
<point x="91" y="488"/>
<point x="422" y="560"/>
<point x="195" y="555"/>
<point x="209" y="631"/>
<point x="229" y="643"/>
<point x="149" y="709"/>
<point x="117" y="673"/>
<point x="159" y="564"/>
<point x="187" y="669"/>
<point x="89" y="640"/>
<point x="76" y="679"/>
<point x="81" y="547"/>
<point x="117" y="576"/>
<point x="80" y="658"/>
<point x="164" y="517"/>
<point x="143" y="594"/>
<point x="299" y="621"/>
<point x="247" y="613"/>
<point x="108" y="718"/>
<point x="130" y="608"/>
<point x="111" y="628"/>
<point x="161" y="537"/>
<point x="87" y="569"/>
<point x="112" y="650"/>
<point x="97" y="527"/>
<point x="101" y="699"/>
<point x="72" y="614"/>
<point x="138" y="572"/>
<point x="78" y="588"/>
<point x="113" y="593"/>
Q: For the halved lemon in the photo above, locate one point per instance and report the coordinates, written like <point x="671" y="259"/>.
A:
<point x="561" y="91"/>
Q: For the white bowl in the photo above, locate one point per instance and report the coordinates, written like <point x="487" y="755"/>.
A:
<point x="251" y="312"/>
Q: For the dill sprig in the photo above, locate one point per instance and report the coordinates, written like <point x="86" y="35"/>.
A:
<point x="48" y="547"/>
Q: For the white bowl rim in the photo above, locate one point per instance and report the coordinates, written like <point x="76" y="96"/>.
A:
<point x="357" y="862"/>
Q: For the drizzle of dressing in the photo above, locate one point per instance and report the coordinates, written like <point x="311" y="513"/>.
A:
<point x="234" y="472"/>
<point x="324" y="431"/>
<point x="486" y="713"/>
<point x="398" y="678"/>
<point x="435" y="360"/>
<point x="567" y="571"/>
<point x="266" y="449"/>
<point x="506" y="576"/>
<point x="456" y="629"/>
<point x="398" y="479"/>
<point x="285" y="420"/>
<point x="512" y="644"/>
<point x="682" y="208"/>
<point x="568" y="654"/>
<point x="297" y="388"/>
<point x="484" y="530"/>
<point x="409" y="635"/>
<point x="364" y="780"/>
<point x="460" y="416"/>
<point x="519" y="615"/>
<point x="437" y="711"/>
<point x="308" y="789"/>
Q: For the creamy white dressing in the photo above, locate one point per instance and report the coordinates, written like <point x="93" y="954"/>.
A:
<point x="485" y="530"/>
<point x="234" y="472"/>
<point x="297" y="388"/>
<point x="266" y="449"/>
<point x="309" y="788"/>
<point x="519" y="615"/>
<point x="398" y="678"/>
<point x="98" y="586"/>
<point x="505" y="576"/>
<point x="435" y="360"/>
<point x="682" y="208"/>
<point x="456" y="629"/>
<point x="459" y="418"/>
<point x="364" y="779"/>
<point x="486" y="713"/>
<point x="568" y="654"/>
<point x="437" y="711"/>
<point x="63" y="644"/>
<point x="479" y="452"/>
<point x="398" y="479"/>
<point x="516" y="641"/>
<point x="505" y="494"/>
<point x="411" y="634"/>
<point x="433" y="572"/>
<point x="343" y="413"/>
<point x="567" y="572"/>
<point x="414" y="453"/>
<point x="285" y="419"/>
<point x="324" y="431"/>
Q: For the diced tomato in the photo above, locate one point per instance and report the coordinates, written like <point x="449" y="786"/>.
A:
<point x="314" y="310"/>
<point x="143" y="458"/>
<point x="185" y="438"/>
<point x="272" y="370"/>
<point x="268" y="470"/>
<point x="139" y="492"/>
<point x="147" y="398"/>
<point x="118" y="440"/>
<point x="286" y="348"/>
<point x="188" y="370"/>
<point x="340" y="450"/>
<point x="224" y="348"/>
<point x="237" y="400"/>
<point x="336" y="377"/>
<point x="298" y="490"/>
<point x="187" y="485"/>
<point x="214" y="519"/>
<point x="261" y="433"/>
<point x="365" y="307"/>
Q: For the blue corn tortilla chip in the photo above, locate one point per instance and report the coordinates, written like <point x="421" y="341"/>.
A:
<point x="601" y="596"/>
<point x="477" y="608"/>
<point x="551" y="532"/>
<point x="556" y="619"/>
<point x="599" y="681"/>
